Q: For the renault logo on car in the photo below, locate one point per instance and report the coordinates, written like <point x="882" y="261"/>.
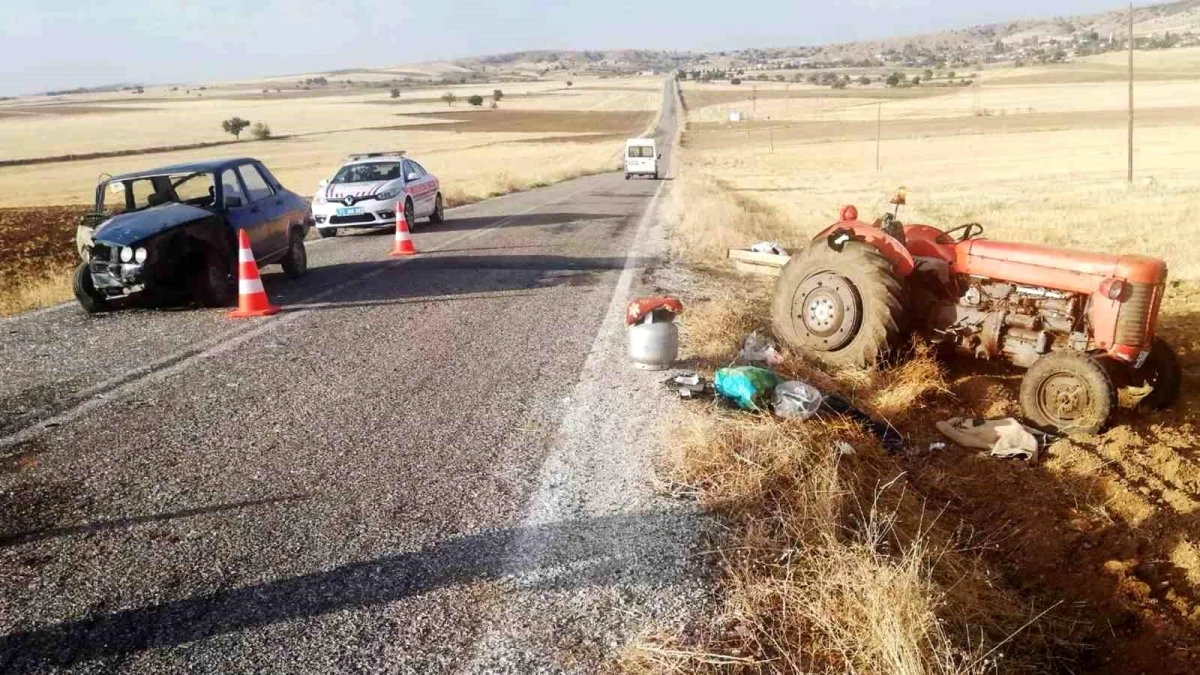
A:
<point x="349" y="201"/>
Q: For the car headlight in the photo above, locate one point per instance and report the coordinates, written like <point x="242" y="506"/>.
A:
<point x="126" y="254"/>
<point x="387" y="194"/>
<point x="140" y="255"/>
<point x="319" y="198"/>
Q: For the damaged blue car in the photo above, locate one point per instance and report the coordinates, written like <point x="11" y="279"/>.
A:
<point x="171" y="233"/>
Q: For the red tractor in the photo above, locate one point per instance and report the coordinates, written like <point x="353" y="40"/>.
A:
<point x="1080" y="323"/>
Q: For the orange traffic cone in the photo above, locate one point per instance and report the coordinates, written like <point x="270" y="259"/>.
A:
<point x="404" y="244"/>
<point x="252" y="299"/>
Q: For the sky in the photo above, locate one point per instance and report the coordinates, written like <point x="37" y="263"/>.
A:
<point x="59" y="44"/>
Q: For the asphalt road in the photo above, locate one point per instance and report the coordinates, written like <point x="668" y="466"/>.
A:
<point x="436" y="464"/>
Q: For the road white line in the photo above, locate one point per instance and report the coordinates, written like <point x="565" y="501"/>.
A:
<point x="592" y="474"/>
<point x="119" y="386"/>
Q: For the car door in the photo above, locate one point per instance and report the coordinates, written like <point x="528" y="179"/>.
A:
<point x="268" y="207"/>
<point x="419" y="188"/>
<point x="241" y="214"/>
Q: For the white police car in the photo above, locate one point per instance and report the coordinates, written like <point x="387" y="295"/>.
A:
<point x="370" y="188"/>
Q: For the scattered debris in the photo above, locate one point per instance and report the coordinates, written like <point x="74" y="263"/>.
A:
<point x="653" y="337"/>
<point x="638" y="309"/>
<point x="937" y="446"/>
<point x="689" y="385"/>
<point x="757" y="348"/>
<point x="843" y="448"/>
<point x="772" y="247"/>
<point x="795" y="399"/>
<point x="888" y="436"/>
<point x="748" y="386"/>
<point x="1003" y="437"/>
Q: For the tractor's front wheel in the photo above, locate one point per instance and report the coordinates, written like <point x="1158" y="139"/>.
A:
<point x="1068" y="392"/>
<point x="840" y="308"/>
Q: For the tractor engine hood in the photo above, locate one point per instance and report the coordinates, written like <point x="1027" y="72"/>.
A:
<point x="126" y="229"/>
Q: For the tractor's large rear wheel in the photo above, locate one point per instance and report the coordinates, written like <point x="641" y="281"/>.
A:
<point x="840" y="308"/>
<point x="1068" y="392"/>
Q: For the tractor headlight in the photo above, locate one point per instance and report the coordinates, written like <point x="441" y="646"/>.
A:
<point x="1113" y="289"/>
<point x="140" y="255"/>
<point x="387" y="194"/>
<point x="126" y="254"/>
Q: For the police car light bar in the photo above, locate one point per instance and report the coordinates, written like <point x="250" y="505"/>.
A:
<point x="381" y="153"/>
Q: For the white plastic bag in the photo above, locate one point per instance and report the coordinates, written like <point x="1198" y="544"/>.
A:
<point x="769" y="247"/>
<point x="795" y="399"/>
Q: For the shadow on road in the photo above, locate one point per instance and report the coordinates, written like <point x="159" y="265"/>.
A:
<point x="596" y="552"/>
<point x="40" y="534"/>
<point x="436" y="276"/>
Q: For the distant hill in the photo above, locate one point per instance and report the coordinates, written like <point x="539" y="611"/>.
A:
<point x="1155" y="26"/>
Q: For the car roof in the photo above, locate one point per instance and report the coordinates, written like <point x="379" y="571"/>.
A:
<point x="204" y="166"/>
<point x="375" y="160"/>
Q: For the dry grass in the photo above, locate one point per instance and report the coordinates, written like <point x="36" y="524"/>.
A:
<point x="36" y="293"/>
<point x="830" y="562"/>
<point x="929" y="561"/>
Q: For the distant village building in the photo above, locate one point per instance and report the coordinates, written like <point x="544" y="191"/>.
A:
<point x="735" y="115"/>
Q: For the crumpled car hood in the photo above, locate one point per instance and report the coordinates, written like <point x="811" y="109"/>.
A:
<point x="126" y="229"/>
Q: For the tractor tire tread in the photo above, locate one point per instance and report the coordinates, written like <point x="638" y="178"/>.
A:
<point x="1090" y="370"/>
<point x="883" y="296"/>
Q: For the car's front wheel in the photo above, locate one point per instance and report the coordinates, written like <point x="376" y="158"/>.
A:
<point x="410" y="215"/>
<point x="211" y="284"/>
<point x="439" y="212"/>
<point x="296" y="261"/>
<point x="89" y="298"/>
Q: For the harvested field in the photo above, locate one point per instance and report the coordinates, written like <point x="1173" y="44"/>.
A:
<point x="704" y="96"/>
<point x="723" y="134"/>
<point x="66" y="110"/>
<point x="546" y="133"/>
<point x="535" y="121"/>
<point x="39" y="252"/>
<point x="1102" y="531"/>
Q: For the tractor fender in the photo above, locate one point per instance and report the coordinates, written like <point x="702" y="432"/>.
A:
<point x="895" y="252"/>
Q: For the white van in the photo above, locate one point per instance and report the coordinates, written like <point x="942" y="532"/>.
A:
<point x="641" y="158"/>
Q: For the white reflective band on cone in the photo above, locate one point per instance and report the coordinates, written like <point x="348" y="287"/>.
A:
<point x="245" y="255"/>
<point x="249" y="286"/>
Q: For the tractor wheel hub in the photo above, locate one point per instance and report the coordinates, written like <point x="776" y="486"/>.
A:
<point x="827" y="310"/>
<point x="1065" y="397"/>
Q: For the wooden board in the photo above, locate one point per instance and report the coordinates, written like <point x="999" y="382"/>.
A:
<point x="750" y="262"/>
<point x="753" y="258"/>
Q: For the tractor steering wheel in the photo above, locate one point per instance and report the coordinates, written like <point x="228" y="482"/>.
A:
<point x="969" y="230"/>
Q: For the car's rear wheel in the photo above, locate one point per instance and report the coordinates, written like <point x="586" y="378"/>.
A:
<point x="89" y="298"/>
<point x="327" y="232"/>
<point x="211" y="283"/>
<point x="439" y="212"/>
<point x="296" y="261"/>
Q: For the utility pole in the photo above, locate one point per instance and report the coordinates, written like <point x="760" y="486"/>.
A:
<point x="754" y="101"/>
<point x="1129" y="178"/>
<point x="878" y="133"/>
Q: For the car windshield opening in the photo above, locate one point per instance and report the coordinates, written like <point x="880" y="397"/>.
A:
<point x="371" y="172"/>
<point x="135" y="194"/>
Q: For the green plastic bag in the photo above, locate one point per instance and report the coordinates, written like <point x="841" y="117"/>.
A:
<point x="749" y="387"/>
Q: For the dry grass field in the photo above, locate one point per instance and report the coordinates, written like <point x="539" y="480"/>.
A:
<point x="930" y="561"/>
<point x="541" y="133"/>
